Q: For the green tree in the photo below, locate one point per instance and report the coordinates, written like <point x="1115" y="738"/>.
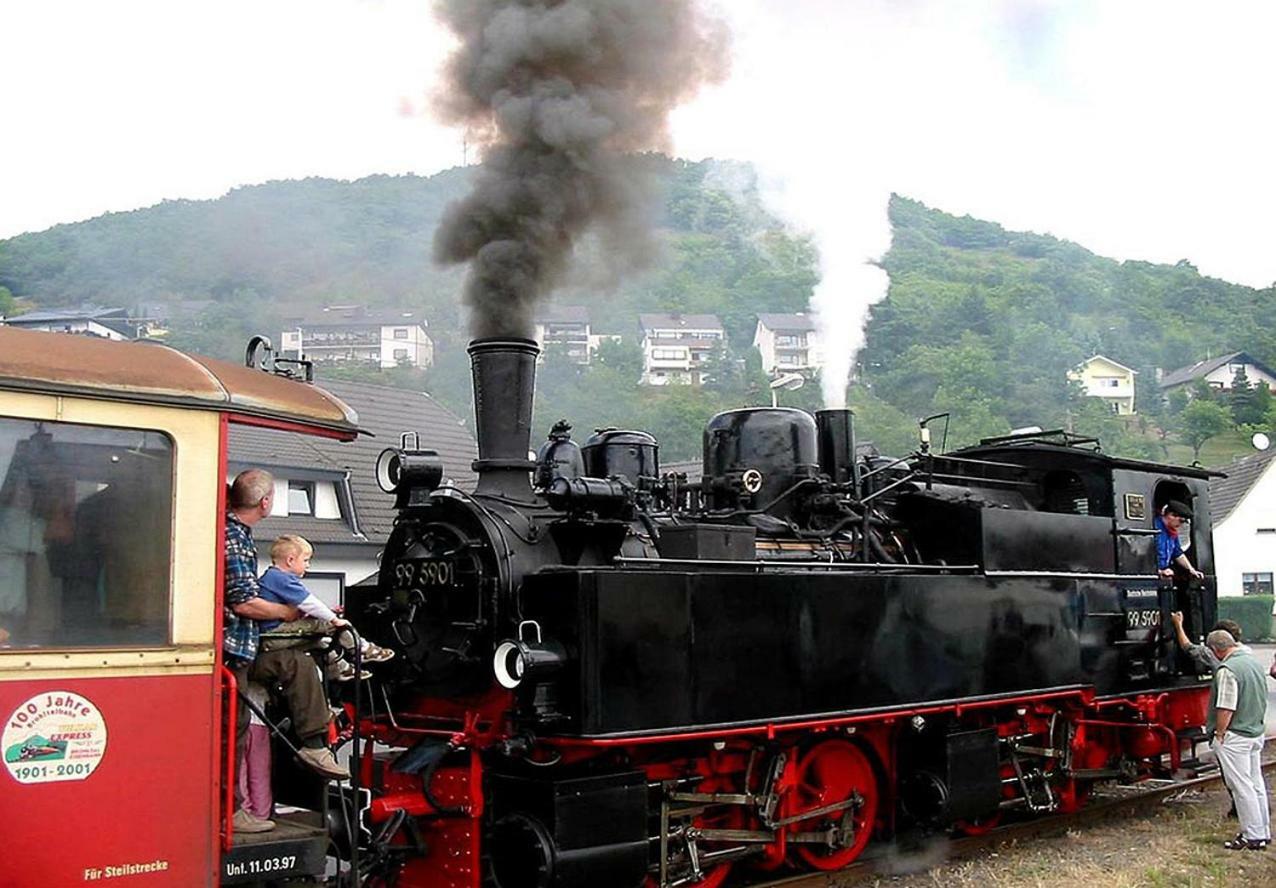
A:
<point x="1176" y="402"/>
<point x="8" y="304"/>
<point x="1262" y="401"/>
<point x="1243" y="400"/>
<point x="623" y="355"/>
<point x="1200" y="390"/>
<point x="1202" y="420"/>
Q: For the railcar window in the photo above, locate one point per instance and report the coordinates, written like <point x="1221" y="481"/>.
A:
<point x="86" y="516"/>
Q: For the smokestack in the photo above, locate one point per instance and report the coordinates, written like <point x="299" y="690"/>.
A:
<point x="504" y="384"/>
<point x="836" y="435"/>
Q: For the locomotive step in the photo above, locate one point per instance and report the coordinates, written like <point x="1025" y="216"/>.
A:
<point x="295" y="847"/>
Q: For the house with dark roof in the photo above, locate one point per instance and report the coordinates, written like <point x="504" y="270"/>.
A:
<point x="326" y="490"/>
<point x="1243" y="506"/>
<point x="86" y="320"/>
<point x="677" y="347"/>
<point x="1219" y="372"/>
<point x="788" y="343"/>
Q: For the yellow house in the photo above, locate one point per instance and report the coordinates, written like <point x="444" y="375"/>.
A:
<point x="1107" y="379"/>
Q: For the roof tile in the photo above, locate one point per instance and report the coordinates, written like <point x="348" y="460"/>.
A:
<point x="1242" y="474"/>
<point x="387" y="413"/>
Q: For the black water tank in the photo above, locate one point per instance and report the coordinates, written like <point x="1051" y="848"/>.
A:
<point x="752" y="456"/>
<point x="622" y="452"/>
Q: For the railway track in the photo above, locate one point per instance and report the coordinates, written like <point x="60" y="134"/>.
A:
<point x="891" y="860"/>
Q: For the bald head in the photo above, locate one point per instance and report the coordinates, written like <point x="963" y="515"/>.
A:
<point x="1220" y="641"/>
<point x="251" y="495"/>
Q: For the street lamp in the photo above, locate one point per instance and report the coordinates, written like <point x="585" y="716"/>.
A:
<point x="789" y="382"/>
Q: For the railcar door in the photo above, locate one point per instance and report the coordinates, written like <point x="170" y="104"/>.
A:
<point x="108" y="519"/>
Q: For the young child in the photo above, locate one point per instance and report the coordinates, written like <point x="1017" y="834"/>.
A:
<point x="290" y="556"/>
<point x="254" y="776"/>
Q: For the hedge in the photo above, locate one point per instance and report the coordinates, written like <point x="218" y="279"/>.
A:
<point x="1253" y="612"/>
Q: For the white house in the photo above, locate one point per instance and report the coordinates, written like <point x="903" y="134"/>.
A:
<point x="788" y="343"/>
<point x="1243" y="507"/>
<point x="355" y="334"/>
<point x="566" y="326"/>
<point x="1219" y="372"/>
<point x="676" y="347"/>
<point x="90" y="320"/>
<point x="1109" y="380"/>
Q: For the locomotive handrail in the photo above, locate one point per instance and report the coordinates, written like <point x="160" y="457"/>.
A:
<point x="821" y="565"/>
<point x="889" y="487"/>
<point x="974" y="461"/>
<point x="1007" y="481"/>
<point x="1072" y="573"/>
<point x="232" y="723"/>
<point x="772" y="727"/>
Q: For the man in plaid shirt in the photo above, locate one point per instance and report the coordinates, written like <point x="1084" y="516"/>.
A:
<point x="250" y="499"/>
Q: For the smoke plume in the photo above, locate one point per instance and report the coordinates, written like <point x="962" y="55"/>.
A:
<point x="555" y="93"/>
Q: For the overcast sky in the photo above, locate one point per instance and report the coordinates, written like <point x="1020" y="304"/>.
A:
<point x="1139" y="129"/>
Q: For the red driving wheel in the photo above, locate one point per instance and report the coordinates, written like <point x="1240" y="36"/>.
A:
<point x="829" y="773"/>
<point x="978" y="826"/>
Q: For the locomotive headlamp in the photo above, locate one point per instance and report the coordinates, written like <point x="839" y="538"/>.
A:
<point x="405" y="469"/>
<point x="518" y="660"/>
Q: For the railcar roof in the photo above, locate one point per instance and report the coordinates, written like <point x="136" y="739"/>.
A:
<point x="62" y="363"/>
<point x="1004" y="451"/>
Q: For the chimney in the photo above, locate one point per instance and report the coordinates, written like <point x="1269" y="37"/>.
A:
<point x="504" y="385"/>
<point x="835" y="430"/>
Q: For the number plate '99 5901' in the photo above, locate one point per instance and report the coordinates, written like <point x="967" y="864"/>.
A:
<point x="424" y="574"/>
<point x="1142" y="619"/>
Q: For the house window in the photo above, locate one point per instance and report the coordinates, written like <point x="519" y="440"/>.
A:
<point x="400" y="354"/>
<point x="1256" y="583"/>
<point x="668" y="354"/>
<point x="301" y="498"/>
<point x="328" y="586"/>
<point x="400" y="333"/>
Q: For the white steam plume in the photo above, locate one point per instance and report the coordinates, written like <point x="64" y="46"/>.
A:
<point x="847" y="219"/>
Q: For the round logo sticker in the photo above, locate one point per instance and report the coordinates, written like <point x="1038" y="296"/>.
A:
<point x="53" y="736"/>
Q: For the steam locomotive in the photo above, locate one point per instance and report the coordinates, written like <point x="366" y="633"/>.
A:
<point x="610" y="676"/>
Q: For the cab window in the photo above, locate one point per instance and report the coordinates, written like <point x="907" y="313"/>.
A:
<point x="86" y="517"/>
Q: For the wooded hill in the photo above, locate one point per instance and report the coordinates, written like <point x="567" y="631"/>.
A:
<point x="979" y="321"/>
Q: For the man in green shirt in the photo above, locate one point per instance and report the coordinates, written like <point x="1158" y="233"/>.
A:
<point x="1238" y="710"/>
